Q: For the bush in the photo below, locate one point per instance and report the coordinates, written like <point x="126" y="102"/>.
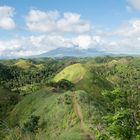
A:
<point x="32" y="124"/>
<point x="62" y="84"/>
<point x="101" y="137"/>
<point x="67" y="99"/>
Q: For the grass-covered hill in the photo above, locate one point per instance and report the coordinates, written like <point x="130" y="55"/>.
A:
<point x="8" y="100"/>
<point x="72" y="106"/>
<point x="70" y="99"/>
<point x="24" y="64"/>
<point x="57" y="111"/>
<point x="28" y="64"/>
<point x="83" y="78"/>
<point x="63" y="116"/>
<point x="73" y="73"/>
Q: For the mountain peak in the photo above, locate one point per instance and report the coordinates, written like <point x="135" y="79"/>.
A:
<point x="73" y="52"/>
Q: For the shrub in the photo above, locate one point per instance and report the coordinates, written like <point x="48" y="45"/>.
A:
<point x="62" y="84"/>
<point x="32" y="124"/>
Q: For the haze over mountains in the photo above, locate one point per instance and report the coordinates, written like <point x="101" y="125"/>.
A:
<point x="68" y="52"/>
<point x="68" y="28"/>
<point x="72" y="52"/>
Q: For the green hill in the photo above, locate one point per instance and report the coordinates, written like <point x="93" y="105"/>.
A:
<point x="24" y="64"/>
<point x="28" y="64"/>
<point x="62" y="116"/>
<point x="83" y="78"/>
<point x="74" y="73"/>
<point x="7" y="102"/>
<point x="83" y="100"/>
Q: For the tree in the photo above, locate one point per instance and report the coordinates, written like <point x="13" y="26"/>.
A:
<point x="62" y="84"/>
<point x="119" y="120"/>
<point x="32" y="124"/>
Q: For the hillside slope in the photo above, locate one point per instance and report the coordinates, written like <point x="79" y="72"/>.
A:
<point x="74" y="73"/>
<point x="23" y="64"/>
<point x="58" y="116"/>
<point x="83" y="78"/>
<point x="64" y="114"/>
<point x="100" y="90"/>
<point x="8" y="100"/>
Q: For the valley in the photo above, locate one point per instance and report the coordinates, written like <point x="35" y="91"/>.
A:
<point x="70" y="98"/>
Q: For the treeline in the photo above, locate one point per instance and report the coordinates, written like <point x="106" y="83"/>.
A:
<point x="122" y="118"/>
<point x="14" y="78"/>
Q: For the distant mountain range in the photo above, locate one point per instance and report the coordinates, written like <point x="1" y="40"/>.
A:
<point x="73" y="52"/>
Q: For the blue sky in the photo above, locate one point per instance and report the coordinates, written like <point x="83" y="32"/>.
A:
<point x="109" y="13"/>
<point x="44" y="25"/>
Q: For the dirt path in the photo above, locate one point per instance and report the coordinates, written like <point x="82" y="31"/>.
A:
<point x="78" y="111"/>
<point x="80" y="77"/>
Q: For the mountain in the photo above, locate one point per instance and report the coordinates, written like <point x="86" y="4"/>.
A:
<point x="74" y="52"/>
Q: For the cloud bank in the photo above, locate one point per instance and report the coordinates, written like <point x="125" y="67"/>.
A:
<point x="135" y="4"/>
<point x="6" y="17"/>
<point x="53" y="22"/>
<point x="48" y="30"/>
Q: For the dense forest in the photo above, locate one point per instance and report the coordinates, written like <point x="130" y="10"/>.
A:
<point x="70" y="98"/>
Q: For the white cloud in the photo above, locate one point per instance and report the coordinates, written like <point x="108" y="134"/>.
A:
<point x="42" y="21"/>
<point x="123" y="46"/>
<point x="71" y="22"/>
<point x="34" y="45"/>
<point x="86" y="41"/>
<point x="16" y="48"/>
<point x="135" y="4"/>
<point x="6" y="17"/>
<point x="66" y="31"/>
<point x="7" y="47"/>
<point x="53" y="22"/>
<point x="130" y="29"/>
<point x="83" y="41"/>
<point x="126" y="39"/>
<point x="10" y="45"/>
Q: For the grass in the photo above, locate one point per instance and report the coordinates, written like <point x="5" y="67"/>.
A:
<point x="57" y="118"/>
<point x="82" y="77"/>
<point x="73" y="73"/>
<point x="6" y="105"/>
<point x="6" y="102"/>
<point x="57" y="109"/>
<point x="24" y="64"/>
<point x="4" y="95"/>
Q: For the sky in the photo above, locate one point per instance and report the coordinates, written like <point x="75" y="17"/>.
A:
<point x="34" y="27"/>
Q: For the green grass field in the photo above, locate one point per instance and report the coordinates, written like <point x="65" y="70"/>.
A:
<point x="65" y="114"/>
<point x="57" y="117"/>
<point x="73" y="73"/>
<point x="24" y="64"/>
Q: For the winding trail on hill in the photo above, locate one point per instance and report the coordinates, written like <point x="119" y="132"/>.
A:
<point x="78" y="112"/>
<point x="80" y="77"/>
